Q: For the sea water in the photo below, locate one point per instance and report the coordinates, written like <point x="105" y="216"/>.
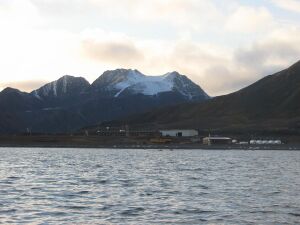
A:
<point x="123" y="186"/>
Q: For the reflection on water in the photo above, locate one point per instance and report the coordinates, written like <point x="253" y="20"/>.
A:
<point x="95" y="186"/>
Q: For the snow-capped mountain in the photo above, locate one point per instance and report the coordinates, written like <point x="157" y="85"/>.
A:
<point x="70" y="103"/>
<point x="65" y="86"/>
<point x="123" y="82"/>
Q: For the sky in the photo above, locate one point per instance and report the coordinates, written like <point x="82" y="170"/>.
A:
<point x="222" y="45"/>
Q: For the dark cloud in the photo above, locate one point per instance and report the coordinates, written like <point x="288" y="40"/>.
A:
<point x="268" y="57"/>
<point x="116" y="52"/>
<point x="221" y="80"/>
<point x="220" y="73"/>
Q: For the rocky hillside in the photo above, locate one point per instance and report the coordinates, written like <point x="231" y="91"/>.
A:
<point x="270" y="103"/>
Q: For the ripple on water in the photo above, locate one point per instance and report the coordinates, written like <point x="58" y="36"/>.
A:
<point x="14" y="178"/>
<point x="194" y="211"/>
<point x="77" y="207"/>
<point x="133" y="211"/>
<point x="102" y="181"/>
<point x="53" y="214"/>
<point x="8" y="211"/>
<point x="82" y="192"/>
<point x="294" y="214"/>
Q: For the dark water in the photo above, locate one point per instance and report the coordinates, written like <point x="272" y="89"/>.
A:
<point x="94" y="186"/>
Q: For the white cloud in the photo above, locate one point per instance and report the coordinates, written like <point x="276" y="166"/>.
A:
<point x="290" y="5"/>
<point x="18" y="13"/>
<point x="221" y="47"/>
<point x="250" y="20"/>
<point x="191" y="14"/>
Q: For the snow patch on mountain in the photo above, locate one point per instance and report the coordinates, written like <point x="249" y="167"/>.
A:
<point x="54" y="87"/>
<point x="147" y="85"/>
<point x="133" y="77"/>
<point x="65" y="83"/>
<point x="47" y="89"/>
<point x="36" y="94"/>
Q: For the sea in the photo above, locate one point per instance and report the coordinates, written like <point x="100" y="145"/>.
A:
<point x="132" y="186"/>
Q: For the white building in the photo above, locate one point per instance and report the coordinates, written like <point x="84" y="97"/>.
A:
<point x="265" y="142"/>
<point x="179" y="133"/>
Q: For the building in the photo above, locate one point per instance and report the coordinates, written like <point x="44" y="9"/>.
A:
<point x="179" y="133"/>
<point x="217" y="141"/>
<point x="265" y="142"/>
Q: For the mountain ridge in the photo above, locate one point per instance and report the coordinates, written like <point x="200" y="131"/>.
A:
<point x="69" y="103"/>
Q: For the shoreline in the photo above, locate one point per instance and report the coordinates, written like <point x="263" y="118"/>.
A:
<point x="127" y="143"/>
<point x="164" y="147"/>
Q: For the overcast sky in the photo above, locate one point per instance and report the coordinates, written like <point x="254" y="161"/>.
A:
<point x="222" y="45"/>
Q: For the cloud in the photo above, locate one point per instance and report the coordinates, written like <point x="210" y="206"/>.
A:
<point x="113" y="48"/>
<point x="268" y="56"/>
<point x="221" y="45"/>
<point x="175" y="13"/>
<point x="14" y="13"/>
<point x="248" y="19"/>
<point x="213" y="67"/>
<point x="290" y="5"/>
<point x="219" y="70"/>
<point x="279" y="49"/>
<point x="222" y="79"/>
<point x="119" y="53"/>
<point x="26" y="86"/>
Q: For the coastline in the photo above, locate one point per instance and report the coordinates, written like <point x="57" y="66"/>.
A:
<point x="163" y="147"/>
<point x="125" y="143"/>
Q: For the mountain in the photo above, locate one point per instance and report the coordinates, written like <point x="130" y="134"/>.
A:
<point x="14" y="100"/>
<point x="65" y="86"/>
<point x="270" y="103"/>
<point x="70" y="103"/>
<point x="119" y="93"/>
<point x="123" y="82"/>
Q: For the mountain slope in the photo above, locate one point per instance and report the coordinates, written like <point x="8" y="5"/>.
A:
<point x="272" y="102"/>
